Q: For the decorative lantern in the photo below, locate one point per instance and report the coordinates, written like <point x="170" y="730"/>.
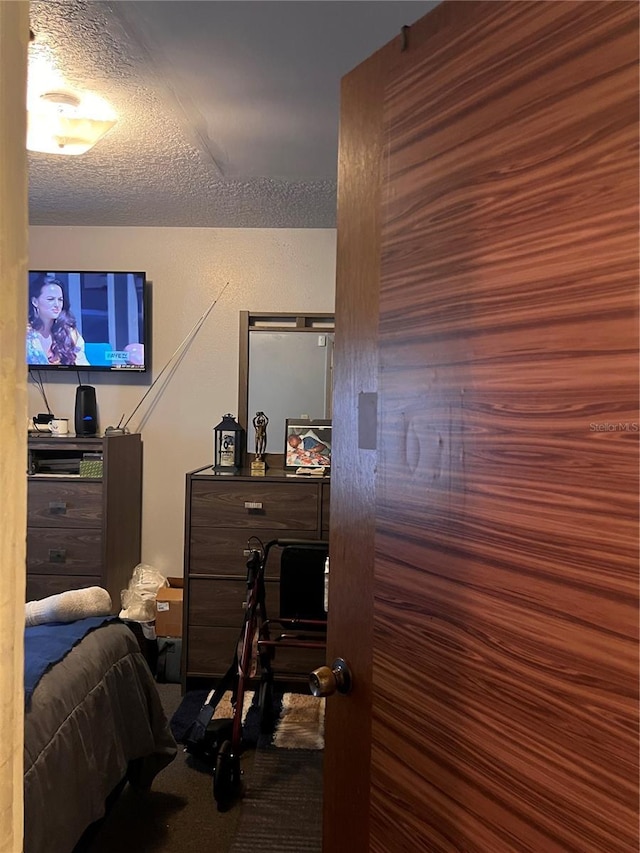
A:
<point x="227" y="445"/>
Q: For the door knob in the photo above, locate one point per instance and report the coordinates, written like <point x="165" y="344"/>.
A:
<point x="325" y="680"/>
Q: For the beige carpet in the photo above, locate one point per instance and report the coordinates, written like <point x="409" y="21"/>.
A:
<point x="224" y="708"/>
<point x="301" y="723"/>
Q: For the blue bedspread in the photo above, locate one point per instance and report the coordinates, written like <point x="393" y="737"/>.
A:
<point x="45" y="645"/>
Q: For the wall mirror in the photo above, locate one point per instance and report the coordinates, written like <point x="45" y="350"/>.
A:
<point x="286" y="370"/>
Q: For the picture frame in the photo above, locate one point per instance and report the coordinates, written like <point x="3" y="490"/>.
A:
<point x="307" y="446"/>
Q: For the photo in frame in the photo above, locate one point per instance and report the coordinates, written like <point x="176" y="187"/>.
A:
<point x="307" y="445"/>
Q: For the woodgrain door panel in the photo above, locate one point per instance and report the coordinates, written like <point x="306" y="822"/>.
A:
<point x="504" y="677"/>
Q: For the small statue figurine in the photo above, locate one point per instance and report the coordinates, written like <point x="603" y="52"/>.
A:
<point x="260" y="425"/>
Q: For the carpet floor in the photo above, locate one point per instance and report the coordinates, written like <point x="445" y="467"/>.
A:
<point x="282" y="803"/>
<point x="178" y="815"/>
<point x="281" y="811"/>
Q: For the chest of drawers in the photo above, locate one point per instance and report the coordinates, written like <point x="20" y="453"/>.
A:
<point x="223" y="513"/>
<point x="83" y="531"/>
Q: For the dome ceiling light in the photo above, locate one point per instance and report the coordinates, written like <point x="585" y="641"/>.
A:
<point x="63" y="123"/>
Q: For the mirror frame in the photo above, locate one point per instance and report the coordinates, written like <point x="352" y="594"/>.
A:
<point x="272" y="322"/>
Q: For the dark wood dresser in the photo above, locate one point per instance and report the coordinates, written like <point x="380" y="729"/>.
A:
<point x="83" y="529"/>
<point x="222" y="512"/>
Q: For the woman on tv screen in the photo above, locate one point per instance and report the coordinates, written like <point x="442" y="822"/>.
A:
<point x="52" y="336"/>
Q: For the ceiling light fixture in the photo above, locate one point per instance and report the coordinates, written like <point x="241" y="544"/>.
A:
<point x="63" y="123"/>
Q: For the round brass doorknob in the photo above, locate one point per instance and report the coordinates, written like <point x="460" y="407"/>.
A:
<point x="326" y="680"/>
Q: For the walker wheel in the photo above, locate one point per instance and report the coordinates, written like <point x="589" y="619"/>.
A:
<point x="226" y="777"/>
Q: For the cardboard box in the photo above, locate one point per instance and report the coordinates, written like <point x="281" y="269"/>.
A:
<point x="169" y="610"/>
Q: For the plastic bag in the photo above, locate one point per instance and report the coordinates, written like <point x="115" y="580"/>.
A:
<point x="138" y="600"/>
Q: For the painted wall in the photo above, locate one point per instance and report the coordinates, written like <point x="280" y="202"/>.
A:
<point x="267" y="270"/>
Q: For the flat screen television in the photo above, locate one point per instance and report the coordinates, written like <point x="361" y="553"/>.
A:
<point x="88" y="320"/>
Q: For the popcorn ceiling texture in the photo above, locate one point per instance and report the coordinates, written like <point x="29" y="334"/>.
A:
<point x="228" y="111"/>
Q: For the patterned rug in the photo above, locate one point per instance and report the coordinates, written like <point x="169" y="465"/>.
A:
<point x="301" y="723"/>
<point x="299" y="719"/>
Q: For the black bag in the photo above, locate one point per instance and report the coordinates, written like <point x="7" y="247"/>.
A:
<point x="169" y="658"/>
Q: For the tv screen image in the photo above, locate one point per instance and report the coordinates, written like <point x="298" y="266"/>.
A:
<point x="87" y="320"/>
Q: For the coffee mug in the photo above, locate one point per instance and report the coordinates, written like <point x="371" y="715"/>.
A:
<point x="59" y="426"/>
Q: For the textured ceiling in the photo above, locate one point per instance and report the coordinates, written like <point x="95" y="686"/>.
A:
<point x="228" y="111"/>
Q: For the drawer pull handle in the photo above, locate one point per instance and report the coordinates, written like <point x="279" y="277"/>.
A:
<point x="57" y="508"/>
<point x="57" y="555"/>
<point x="253" y="504"/>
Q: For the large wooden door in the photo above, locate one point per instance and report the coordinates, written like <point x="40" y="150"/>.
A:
<point x="484" y="555"/>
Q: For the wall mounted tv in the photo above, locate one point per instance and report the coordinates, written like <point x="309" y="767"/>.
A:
<point x="88" y="321"/>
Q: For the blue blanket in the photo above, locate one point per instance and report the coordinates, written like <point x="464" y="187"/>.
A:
<point x="47" y="644"/>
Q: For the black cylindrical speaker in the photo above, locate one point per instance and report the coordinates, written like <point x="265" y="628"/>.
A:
<point x="86" y="415"/>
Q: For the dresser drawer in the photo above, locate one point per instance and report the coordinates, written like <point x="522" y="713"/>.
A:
<point x="210" y="651"/>
<point x="42" y="586"/>
<point x="217" y="602"/>
<point x="224" y="517"/>
<point x="216" y="551"/>
<point x="326" y="505"/>
<point x="220" y="602"/>
<point x="60" y="503"/>
<point x="64" y="550"/>
<point x="297" y="663"/>
<point x="255" y="506"/>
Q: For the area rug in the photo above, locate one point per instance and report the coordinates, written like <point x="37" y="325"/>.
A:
<point x="193" y="701"/>
<point x="299" y="719"/>
<point x="301" y="723"/>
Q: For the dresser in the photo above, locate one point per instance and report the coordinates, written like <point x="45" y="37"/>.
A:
<point x="222" y="513"/>
<point x="83" y="513"/>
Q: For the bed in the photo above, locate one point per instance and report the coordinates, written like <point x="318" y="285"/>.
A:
<point x="92" y="720"/>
